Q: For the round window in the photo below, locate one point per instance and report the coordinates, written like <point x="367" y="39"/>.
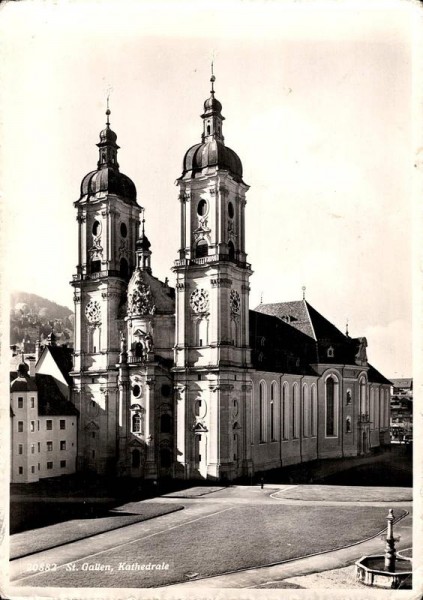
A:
<point x="231" y="210"/>
<point x="96" y="228"/>
<point x="202" y="208"/>
<point x="123" y="230"/>
<point x="136" y="390"/>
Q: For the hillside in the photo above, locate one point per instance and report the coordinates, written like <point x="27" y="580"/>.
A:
<point x="33" y="318"/>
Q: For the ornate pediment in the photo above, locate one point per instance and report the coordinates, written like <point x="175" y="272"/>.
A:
<point x="135" y="443"/>
<point x="140" y="299"/>
<point x="92" y="426"/>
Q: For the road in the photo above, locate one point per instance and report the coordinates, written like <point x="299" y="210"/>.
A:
<point x="228" y="531"/>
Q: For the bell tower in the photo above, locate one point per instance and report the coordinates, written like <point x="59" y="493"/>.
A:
<point x="212" y="354"/>
<point x="108" y="217"/>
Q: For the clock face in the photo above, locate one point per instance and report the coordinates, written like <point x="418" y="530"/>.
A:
<point x="235" y="301"/>
<point x="199" y="301"/>
<point x="93" y="311"/>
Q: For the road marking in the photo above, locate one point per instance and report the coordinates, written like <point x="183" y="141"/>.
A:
<point x="146" y="537"/>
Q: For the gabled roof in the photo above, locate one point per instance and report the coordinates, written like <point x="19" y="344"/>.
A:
<point x="62" y="356"/>
<point x="51" y="401"/>
<point x="332" y="346"/>
<point x="301" y="315"/>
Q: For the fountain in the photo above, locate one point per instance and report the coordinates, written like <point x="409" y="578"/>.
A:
<point x="382" y="569"/>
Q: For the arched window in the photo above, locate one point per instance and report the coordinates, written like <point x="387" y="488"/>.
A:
<point x="331" y="387"/>
<point x="202" y="249"/>
<point x="136" y="459"/>
<point x="165" y="423"/>
<point x="377" y="412"/>
<point x="313" y="419"/>
<point x="139" y="350"/>
<point x="372" y="408"/>
<point x="285" y="411"/>
<point x="262" y="416"/>
<point x="136" y="423"/>
<point x="202" y="332"/>
<point x="123" y="268"/>
<point x="363" y="396"/>
<point x="306" y="411"/>
<point x="94" y="335"/>
<point x="95" y="266"/>
<point x="272" y="415"/>
<point x="296" y="411"/>
<point x="234" y="332"/>
<point x="231" y="251"/>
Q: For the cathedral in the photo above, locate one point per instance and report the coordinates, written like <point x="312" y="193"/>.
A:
<point x="188" y="382"/>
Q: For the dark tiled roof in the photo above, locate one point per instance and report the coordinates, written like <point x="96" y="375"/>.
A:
<point x="295" y="313"/>
<point x="278" y="347"/>
<point x="375" y="377"/>
<point x="300" y="315"/>
<point x="22" y="384"/>
<point x="51" y="401"/>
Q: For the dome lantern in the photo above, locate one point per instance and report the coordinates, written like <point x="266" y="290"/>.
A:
<point x="211" y="153"/>
<point x="107" y="178"/>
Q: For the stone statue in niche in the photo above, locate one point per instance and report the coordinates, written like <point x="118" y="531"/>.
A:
<point x="143" y="345"/>
<point x="361" y="355"/>
<point x="122" y="343"/>
<point x="148" y="341"/>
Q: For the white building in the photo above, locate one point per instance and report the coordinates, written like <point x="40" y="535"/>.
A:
<point x="190" y="382"/>
<point x="44" y="426"/>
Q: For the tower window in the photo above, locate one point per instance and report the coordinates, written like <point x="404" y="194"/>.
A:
<point x="202" y="207"/>
<point x="202" y="249"/>
<point x="96" y="228"/>
<point x="136" y="390"/>
<point x="231" y="211"/>
<point x="123" y="230"/>
<point x="136" y="423"/>
<point x="165" y="424"/>
<point x="208" y="129"/>
<point x="231" y="251"/>
<point x="95" y="266"/>
<point x="123" y="268"/>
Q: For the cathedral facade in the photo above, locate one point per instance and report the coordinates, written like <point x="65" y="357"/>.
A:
<point x="188" y="382"/>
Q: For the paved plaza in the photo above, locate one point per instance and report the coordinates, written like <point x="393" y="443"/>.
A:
<point x="235" y="537"/>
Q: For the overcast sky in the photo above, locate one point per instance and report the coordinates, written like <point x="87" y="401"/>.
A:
<point x="318" y="106"/>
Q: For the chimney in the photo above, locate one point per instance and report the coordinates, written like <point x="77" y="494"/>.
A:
<point x="31" y="360"/>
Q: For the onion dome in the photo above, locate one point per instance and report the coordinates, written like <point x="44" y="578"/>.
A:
<point x="107" y="178"/>
<point x="23" y="383"/>
<point x="211" y="153"/>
